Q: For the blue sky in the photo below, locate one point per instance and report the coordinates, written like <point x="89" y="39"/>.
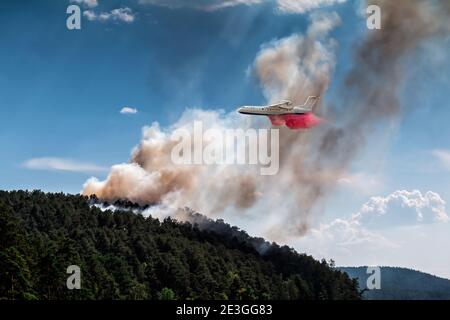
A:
<point x="61" y="92"/>
<point x="61" y="89"/>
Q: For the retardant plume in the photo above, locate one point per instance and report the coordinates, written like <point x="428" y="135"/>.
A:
<point x="311" y="162"/>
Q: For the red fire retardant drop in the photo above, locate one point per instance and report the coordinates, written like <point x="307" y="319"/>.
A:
<point x="277" y="120"/>
<point x="296" y="121"/>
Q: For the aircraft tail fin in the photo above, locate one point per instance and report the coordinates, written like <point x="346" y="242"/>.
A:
<point x="310" y="103"/>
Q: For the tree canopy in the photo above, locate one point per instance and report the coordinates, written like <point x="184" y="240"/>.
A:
<point x="123" y="255"/>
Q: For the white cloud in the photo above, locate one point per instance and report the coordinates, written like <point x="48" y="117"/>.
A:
<point x="208" y="5"/>
<point x="341" y="238"/>
<point x="359" y="227"/>
<point x="443" y="156"/>
<point x="426" y="207"/>
<point x="284" y="6"/>
<point x="121" y="14"/>
<point x="60" y="164"/>
<point x="86" y="3"/>
<point x="231" y="3"/>
<point x="128" y="110"/>
<point x="356" y="240"/>
<point x="90" y="15"/>
<point x="362" y="182"/>
<point x="303" y="6"/>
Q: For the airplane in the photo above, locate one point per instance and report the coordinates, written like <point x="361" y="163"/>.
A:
<point x="285" y="113"/>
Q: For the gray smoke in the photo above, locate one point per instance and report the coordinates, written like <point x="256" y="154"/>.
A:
<point x="370" y="95"/>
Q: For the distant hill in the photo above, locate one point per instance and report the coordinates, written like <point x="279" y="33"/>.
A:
<point x="402" y="284"/>
<point x="123" y="255"/>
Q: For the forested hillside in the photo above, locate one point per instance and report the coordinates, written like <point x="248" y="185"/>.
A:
<point x="123" y="255"/>
<point x="402" y="284"/>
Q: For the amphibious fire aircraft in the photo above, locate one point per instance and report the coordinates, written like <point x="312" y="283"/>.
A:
<point x="285" y="113"/>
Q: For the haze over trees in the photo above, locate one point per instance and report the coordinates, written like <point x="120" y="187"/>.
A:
<point x="123" y="255"/>
<point x="402" y="284"/>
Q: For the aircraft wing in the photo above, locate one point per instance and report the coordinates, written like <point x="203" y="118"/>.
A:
<point x="302" y="109"/>
<point x="282" y="104"/>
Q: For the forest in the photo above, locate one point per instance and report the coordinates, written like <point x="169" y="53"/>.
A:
<point x="124" y="255"/>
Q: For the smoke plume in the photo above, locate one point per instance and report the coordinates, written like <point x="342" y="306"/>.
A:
<point x="151" y="177"/>
<point x="311" y="162"/>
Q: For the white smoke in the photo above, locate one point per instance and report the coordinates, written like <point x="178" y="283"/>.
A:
<point x="293" y="67"/>
<point x="299" y="65"/>
<point x="151" y="177"/>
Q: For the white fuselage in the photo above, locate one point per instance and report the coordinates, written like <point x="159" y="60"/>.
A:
<point x="271" y="110"/>
<point x="283" y="107"/>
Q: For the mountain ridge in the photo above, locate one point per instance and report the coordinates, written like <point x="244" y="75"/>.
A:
<point x="123" y="255"/>
<point x="398" y="283"/>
